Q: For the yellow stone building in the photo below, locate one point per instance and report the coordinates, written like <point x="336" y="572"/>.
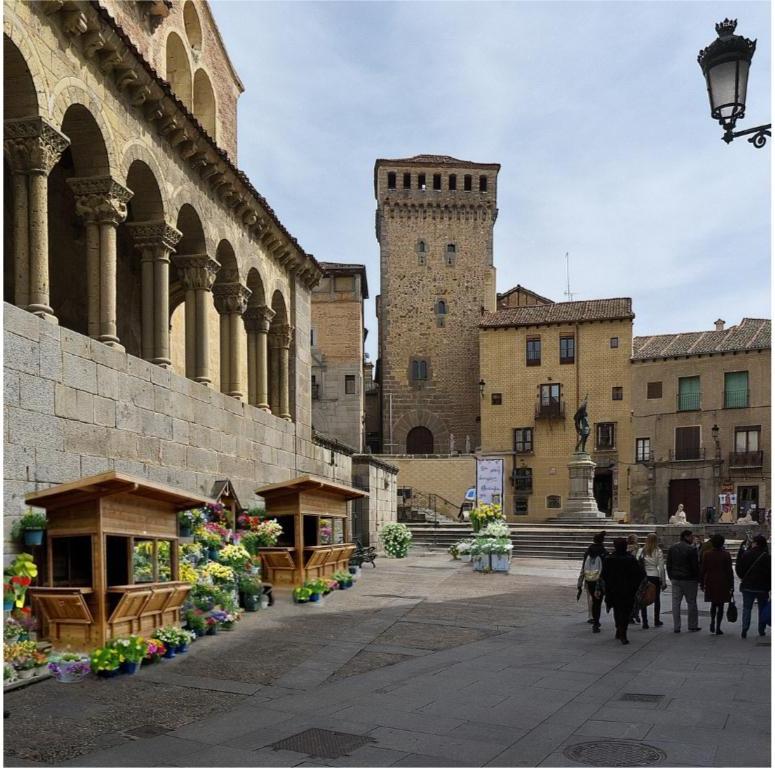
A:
<point x="537" y="365"/>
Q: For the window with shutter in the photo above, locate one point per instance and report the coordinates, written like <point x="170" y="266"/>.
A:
<point x="689" y="393"/>
<point x="687" y="443"/>
<point x="736" y="389"/>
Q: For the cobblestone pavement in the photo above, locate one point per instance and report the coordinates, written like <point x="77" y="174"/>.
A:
<point x="422" y="663"/>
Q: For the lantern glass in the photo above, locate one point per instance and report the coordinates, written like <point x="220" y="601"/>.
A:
<point x="727" y="86"/>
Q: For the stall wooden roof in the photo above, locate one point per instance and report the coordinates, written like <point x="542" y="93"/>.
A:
<point x="310" y="483"/>
<point x="109" y="484"/>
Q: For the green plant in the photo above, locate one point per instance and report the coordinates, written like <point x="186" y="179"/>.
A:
<point x="301" y="594"/>
<point x="249" y="586"/>
<point x="235" y="556"/>
<point x="168" y="635"/>
<point x="105" y="659"/>
<point x="396" y="538"/>
<point x="131" y="649"/>
<point x="23" y="565"/>
<point x="196" y="620"/>
<point x="317" y="586"/>
<point x="29" y="521"/>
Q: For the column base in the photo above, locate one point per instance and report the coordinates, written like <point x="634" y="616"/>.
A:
<point x="202" y="380"/>
<point x="236" y="395"/>
<point x="286" y="416"/>
<point x="44" y="312"/>
<point x="162" y="362"/>
<point x="112" y="342"/>
<point x="264" y="407"/>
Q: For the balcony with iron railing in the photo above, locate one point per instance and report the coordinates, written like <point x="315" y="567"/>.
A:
<point x="688" y="401"/>
<point x="746" y="459"/>
<point x="690" y="453"/>
<point x="523" y="483"/>
<point x="554" y="409"/>
<point x="736" y="398"/>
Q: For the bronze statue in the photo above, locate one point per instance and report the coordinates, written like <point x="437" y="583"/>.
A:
<point x="581" y="422"/>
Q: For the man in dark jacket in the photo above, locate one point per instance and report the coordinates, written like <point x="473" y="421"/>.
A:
<point x="592" y="585"/>
<point x="622" y="575"/>
<point x="753" y="568"/>
<point x="683" y="569"/>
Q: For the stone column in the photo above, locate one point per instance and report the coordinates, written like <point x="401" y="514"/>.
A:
<point x="155" y="241"/>
<point x="197" y="273"/>
<point x="283" y="336"/>
<point x="33" y="147"/>
<point x="101" y="202"/>
<point x="257" y="320"/>
<point x="231" y="301"/>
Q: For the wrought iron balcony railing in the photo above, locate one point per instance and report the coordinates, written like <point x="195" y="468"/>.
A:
<point x="688" y="401"/>
<point x="551" y="410"/>
<point x="687" y="454"/>
<point x="746" y="459"/>
<point x="736" y="398"/>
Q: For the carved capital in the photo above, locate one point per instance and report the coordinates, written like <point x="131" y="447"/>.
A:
<point x="155" y="236"/>
<point x="74" y="22"/>
<point x="281" y="336"/>
<point x="231" y="298"/>
<point x="100" y="199"/>
<point x="93" y="41"/>
<point x="32" y="145"/>
<point x="197" y="271"/>
<point x="258" y="319"/>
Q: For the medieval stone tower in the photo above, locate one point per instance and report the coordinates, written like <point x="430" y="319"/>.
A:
<point x="434" y="224"/>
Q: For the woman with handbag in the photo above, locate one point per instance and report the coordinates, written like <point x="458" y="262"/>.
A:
<point x="652" y="559"/>
<point x="622" y="576"/>
<point x="753" y="568"/>
<point x="717" y="581"/>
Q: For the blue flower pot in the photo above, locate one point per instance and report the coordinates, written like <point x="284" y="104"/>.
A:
<point x="129" y="667"/>
<point x="185" y="531"/>
<point x="212" y="553"/>
<point x="105" y="673"/>
<point x="33" y="537"/>
<point x="8" y="605"/>
<point x="212" y="630"/>
<point x="182" y="648"/>
<point x="169" y="653"/>
<point x="314" y="597"/>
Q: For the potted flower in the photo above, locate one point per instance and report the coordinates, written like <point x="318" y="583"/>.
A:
<point x="185" y="638"/>
<point x="29" y="527"/>
<point x="22" y="656"/>
<point x="396" y="538"/>
<point x="9" y="594"/>
<point x="9" y="673"/>
<point x="484" y="513"/>
<point x="195" y="620"/>
<point x="69" y="667"/>
<point x="228" y="621"/>
<point x="41" y="663"/>
<point x="464" y="550"/>
<point x="131" y="652"/>
<point x="168" y="636"/>
<point x="250" y="589"/>
<point x="13" y="631"/>
<point x="316" y="589"/>
<point x="219" y="573"/>
<point x="154" y="651"/>
<point x="189" y="520"/>
<point x="105" y="661"/>
<point x="301" y="595"/>
<point x="216" y="620"/>
<point x="234" y="556"/>
<point x="268" y="532"/>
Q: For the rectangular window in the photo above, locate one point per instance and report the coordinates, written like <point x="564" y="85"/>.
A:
<point x="407" y="181"/>
<point x="482" y="183"/>
<point x="689" y="393"/>
<point x="554" y="502"/>
<point x="452" y="182"/>
<point x="437" y="181"/>
<point x="687" y="443"/>
<point x="617" y="393"/>
<point x="605" y="436"/>
<point x="614" y="342"/>
<point x="467" y="183"/>
<point x="550" y="394"/>
<point x="520" y="505"/>
<point x="349" y="385"/>
<point x="533" y="350"/>
<point x="654" y="390"/>
<point x="496" y="398"/>
<point x="392" y="180"/>
<point x="523" y="479"/>
<point x="315" y="388"/>
<point x="747" y="439"/>
<point x="523" y="440"/>
<point x="419" y="370"/>
<point x="421" y="181"/>
<point x="567" y="349"/>
<point x="736" y="389"/>
<point x="643" y="449"/>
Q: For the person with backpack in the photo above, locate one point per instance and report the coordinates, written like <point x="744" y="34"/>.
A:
<point x="590" y="576"/>
<point x="652" y="559"/>
<point x="753" y="568"/>
<point x="717" y="580"/>
<point x="622" y="576"/>
<point x="683" y="568"/>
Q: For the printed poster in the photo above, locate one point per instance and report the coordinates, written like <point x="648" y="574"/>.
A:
<point x="489" y="481"/>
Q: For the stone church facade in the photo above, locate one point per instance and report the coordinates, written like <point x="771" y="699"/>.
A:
<point x="157" y="315"/>
<point x="434" y="224"/>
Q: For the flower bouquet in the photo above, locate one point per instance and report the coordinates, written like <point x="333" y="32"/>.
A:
<point x="169" y="636"/>
<point x="396" y="538"/>
<point x="219" y="573"/>
<point x="105" y="661"/>
<point x="131" y="650"/>
<point x="483" y="514"/>
<point x="215" y="512"/>
<point x="235" y="556"/>
<point x="154" y="651"/>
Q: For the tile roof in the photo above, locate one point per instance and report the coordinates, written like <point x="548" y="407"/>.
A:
<point x="338" y="266"/>
<point x="751" y="334"/>
<point x="522" y="288"/>
<point x="560" y="312"/>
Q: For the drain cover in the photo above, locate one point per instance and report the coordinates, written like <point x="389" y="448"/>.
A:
<point x="146" y="731"/>
<point x="651" y="697"/>
<point x="614" y="753"/>
<point x="322" y="743"/>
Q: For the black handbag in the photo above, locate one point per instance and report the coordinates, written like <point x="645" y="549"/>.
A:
<point x="732" y="611"/>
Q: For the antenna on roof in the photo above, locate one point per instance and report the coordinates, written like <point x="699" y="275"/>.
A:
<point x="567" y="275"/>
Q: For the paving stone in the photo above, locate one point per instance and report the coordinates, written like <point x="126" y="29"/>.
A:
<point x="448" y="747"/>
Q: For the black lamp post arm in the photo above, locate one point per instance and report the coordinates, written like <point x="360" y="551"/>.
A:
<point x="758" y="139"/>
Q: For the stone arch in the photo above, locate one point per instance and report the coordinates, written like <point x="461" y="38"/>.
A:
<point x="419" y="440"/>
<point x="137" y="150"/>
<point x="15" y="37"/>
<point x="255" y="284"/>
<point x="192" y="25"/>
<point x="20" y="94"/>
<point x="178" y="68"/>
<point x="204" y="102"/>
<point x="421" y="417"/>
<point x="88" y="145"/>
<point x="279" y="357"/>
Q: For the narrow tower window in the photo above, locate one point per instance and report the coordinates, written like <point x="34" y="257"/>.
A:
<point x="482" y="183"/>
<point x="437" y="181"/>
<point x="392" y="180"/>
<point x="449" y="256"/>
<point x="407" y="181"/>
<point x="421" y="181"/>
<point x="467" y="183"/>
<point x="452" y="182"/>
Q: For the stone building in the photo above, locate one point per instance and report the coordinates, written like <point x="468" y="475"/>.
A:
<point x="337" y="338"/>
<point x="434" y="224"/>
<point x="701" y="423"/>
<point x="370" y="513"/>
<point x="537" y="364"/>
<point x="162" y="311"/>
<point x="519" y="296"/>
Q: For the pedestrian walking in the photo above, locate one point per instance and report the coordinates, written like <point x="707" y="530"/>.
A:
<point x="717" y="580"/>
<point x="622" y="575"/>
<point x="683" y="569"/>
<point x="652" y="559"/>
<point x="590" y="577"/>
<point x="753" y="568"/>
<point x="632" y="548"/>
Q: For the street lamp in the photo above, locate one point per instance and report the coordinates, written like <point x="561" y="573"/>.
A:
<point x="725" y="64"/>
<point x="715" y="432"/>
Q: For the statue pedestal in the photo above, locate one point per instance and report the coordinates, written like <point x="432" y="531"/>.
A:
<point x="581" y="504"/>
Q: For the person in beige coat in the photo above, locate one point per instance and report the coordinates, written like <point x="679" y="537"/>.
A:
<point x="652" y="559"/>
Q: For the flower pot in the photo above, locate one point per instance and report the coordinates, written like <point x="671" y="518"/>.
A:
<point x="8" y="605"/>
<point x="130" y="667"/>
<point x="353" y="569"/>
<point x="212" y="553"/>
<point x="227" y="626"/>
<point x="41" y="670"/>
<point x="70" y="676"/>
<point x="25" y="674"/>
<point x="465" y="558"/>
<point x="212" y="630"/>
<point x="198" y="632"/>
<point x="182" y="648"/>
<point x="105" y="673"/>
<point x="148" y="660"/>
<point x="169" y="653"/>
<point x="314" y="597"/>
<point x="185" y="531"/>
<point x="501" y="563"/>
<point x="251" y="603"/>
<point x="33" y="537"/>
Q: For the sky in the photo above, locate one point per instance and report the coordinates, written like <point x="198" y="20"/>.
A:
<point x="596" y="111"/>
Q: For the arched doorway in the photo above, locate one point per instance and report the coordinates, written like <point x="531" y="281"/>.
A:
<point x="419" y="440"/>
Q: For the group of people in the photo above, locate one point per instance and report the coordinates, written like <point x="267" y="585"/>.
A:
<point x="631" y="577"/>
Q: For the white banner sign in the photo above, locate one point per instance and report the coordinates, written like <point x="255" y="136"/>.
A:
<point x="489" y="481"/>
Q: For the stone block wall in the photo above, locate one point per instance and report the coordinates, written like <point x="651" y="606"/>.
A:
<point x="370" y="514"/>
<point x="446" y="476"/>
<point x="74" y="407"/>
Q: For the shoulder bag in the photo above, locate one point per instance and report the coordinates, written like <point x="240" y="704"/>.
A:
<point x="732" y="611"/>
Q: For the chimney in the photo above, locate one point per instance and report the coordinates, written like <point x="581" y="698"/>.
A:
<point x="719" y="324"/>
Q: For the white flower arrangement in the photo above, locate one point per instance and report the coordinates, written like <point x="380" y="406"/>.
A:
<point x="491" y="546"/>
<point x="497" y="529"/>
<point x="396" y="538"/>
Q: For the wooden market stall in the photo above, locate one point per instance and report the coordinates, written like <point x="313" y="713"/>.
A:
<point x="316" y="531"/>
<point x="111" y="558"/>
